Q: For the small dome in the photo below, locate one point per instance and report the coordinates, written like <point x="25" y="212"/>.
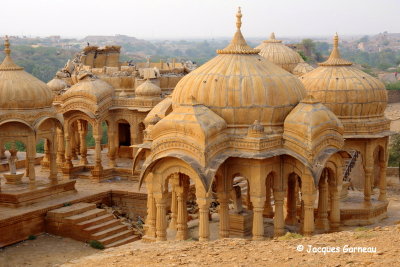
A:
<point x="19" y="89"/>
<point x="302" y="68"/>
<point x="56" y="85"/>
<point x="91" y="86"/>
<point x="241" y="86"/>
<point x="162" y="109"/>
<point x="279" y="54"/>
<point x="311" y="127"/>
<point x="344" y="89"/>
<point x="148" y="89"/>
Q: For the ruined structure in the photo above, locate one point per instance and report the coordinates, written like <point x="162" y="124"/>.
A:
<point x="95" y="88"/>
<point x="239" y="115"/>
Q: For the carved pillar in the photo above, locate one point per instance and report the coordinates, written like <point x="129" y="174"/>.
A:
<point x="2" y="151"/>
<point x="308" y="200"/>
<point x="291" y="217"/>
<point x="322" y="219"/>
<point x="112" y="144"/>
<point x="181" y="220"/>
<point x="382" y="180"/>
<point x="151" y="212"/>
<point x="258" y="218"/>
<point x="82" y="131"/>
<point x="268" y="212"/>
<point x="73" y="141"/>
<point x="161" y="218"/>
<point x="68" y="152"/>
<point x="368" y="167"/>
<point x="334" y="216"/>
<point x="174" y="205"/>
<point x="204" y="224"/>
<point x="46" y="159"/>
<point x="98" y="168"/>
<point x="223" y="199"/>
<point x="30" y="154"/>
<point x="279" y="221"/>
<point x="60" y="148"/>
<point x="53" y="162"/>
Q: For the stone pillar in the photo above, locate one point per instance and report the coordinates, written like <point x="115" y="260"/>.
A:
<point x="68" y="156"/>
<point x="279" y="220"/>
<point x="46" y="159"/>
<point x="53" y="166"/>
<point x="112" y="144"/>
<point x="73" y="142"/>
<point x="382" y="181"/>
<point x="2" y="151"/>
<point x="268" y="212"/>
<point x="291" y="217"/>
<point x="161" y="218"/>
<point x="151" y="213"/>
<point x="369" y="170"/>
<point x="223" y="199"/>
<point x="98" y="168"/>
<point x="60" y="148"/>
<point x="334" y="215"/>
<point x="322" y="219"/>
<point x="174" y="207"/>
<point x="308" y="200"/>
<point x="82" y="130"/>
<point x="204" y="224"/>
<point x="258" y="218"/>
<point x="181" y="220"/>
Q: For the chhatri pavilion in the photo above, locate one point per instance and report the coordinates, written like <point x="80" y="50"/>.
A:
<point x="239" y="115"/>
<point x="256" y="133"/>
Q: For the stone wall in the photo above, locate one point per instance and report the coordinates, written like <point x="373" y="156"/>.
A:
<point x="393" y="96"/>
<point x="133" y="204"/>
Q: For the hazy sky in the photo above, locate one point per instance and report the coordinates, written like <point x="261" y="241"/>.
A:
<point x="197" y="18"/>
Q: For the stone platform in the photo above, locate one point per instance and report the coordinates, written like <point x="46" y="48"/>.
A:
<point x="23" y="194"/>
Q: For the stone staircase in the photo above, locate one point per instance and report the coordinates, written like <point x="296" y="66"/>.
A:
<point x="85" y="222"/>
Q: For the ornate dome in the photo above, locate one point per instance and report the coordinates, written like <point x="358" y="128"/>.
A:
<point x="279" y="54"/>
<point x="148" y="89"/>
<point x="241" y="86"/>
<point x="349" y="92"/>
<point x="311" y="127"/>
<point x="19" y="89"/>
<point x="91" y="87"/>
<point x="56" y="85"/>
<point x="302" y="68"/>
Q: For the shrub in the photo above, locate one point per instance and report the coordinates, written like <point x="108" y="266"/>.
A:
<point x="96" y="244"/>
<point x="32" y="237"/>
<point x="289" y="236"/>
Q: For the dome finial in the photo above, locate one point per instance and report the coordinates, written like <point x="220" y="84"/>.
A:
<point x="336" y="41"/>
<point x="239" y="19"/>
<point x="7" y="49"/>
<point x="272" y="36"/>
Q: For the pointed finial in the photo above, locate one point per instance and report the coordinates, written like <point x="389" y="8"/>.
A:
<point x="336" y="41"/>
<point x="7" y="49"/>
<point x="239" y="19"/>
<point x="272" y="36"/>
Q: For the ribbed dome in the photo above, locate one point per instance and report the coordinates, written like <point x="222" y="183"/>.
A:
<point x="279" y="54"/>
<point x="56" y="85"/>
<point x="148" y="89"/>
<point x="19" y="89"/>
<point x="302" y="68"/>
<point x="241" y="86"/>
<point x="344" y="89"/>
<point x="91" y="87"/>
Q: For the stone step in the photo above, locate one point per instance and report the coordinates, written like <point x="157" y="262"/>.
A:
<point x="114" y="238"/>
<point x="96" y="221"/>
<point x="70" y="210"/>
<point x="87" y="215"/>
<point x="102" y="226"/>
<point x="109" y="232"/>
<point x="123" y="241"/>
